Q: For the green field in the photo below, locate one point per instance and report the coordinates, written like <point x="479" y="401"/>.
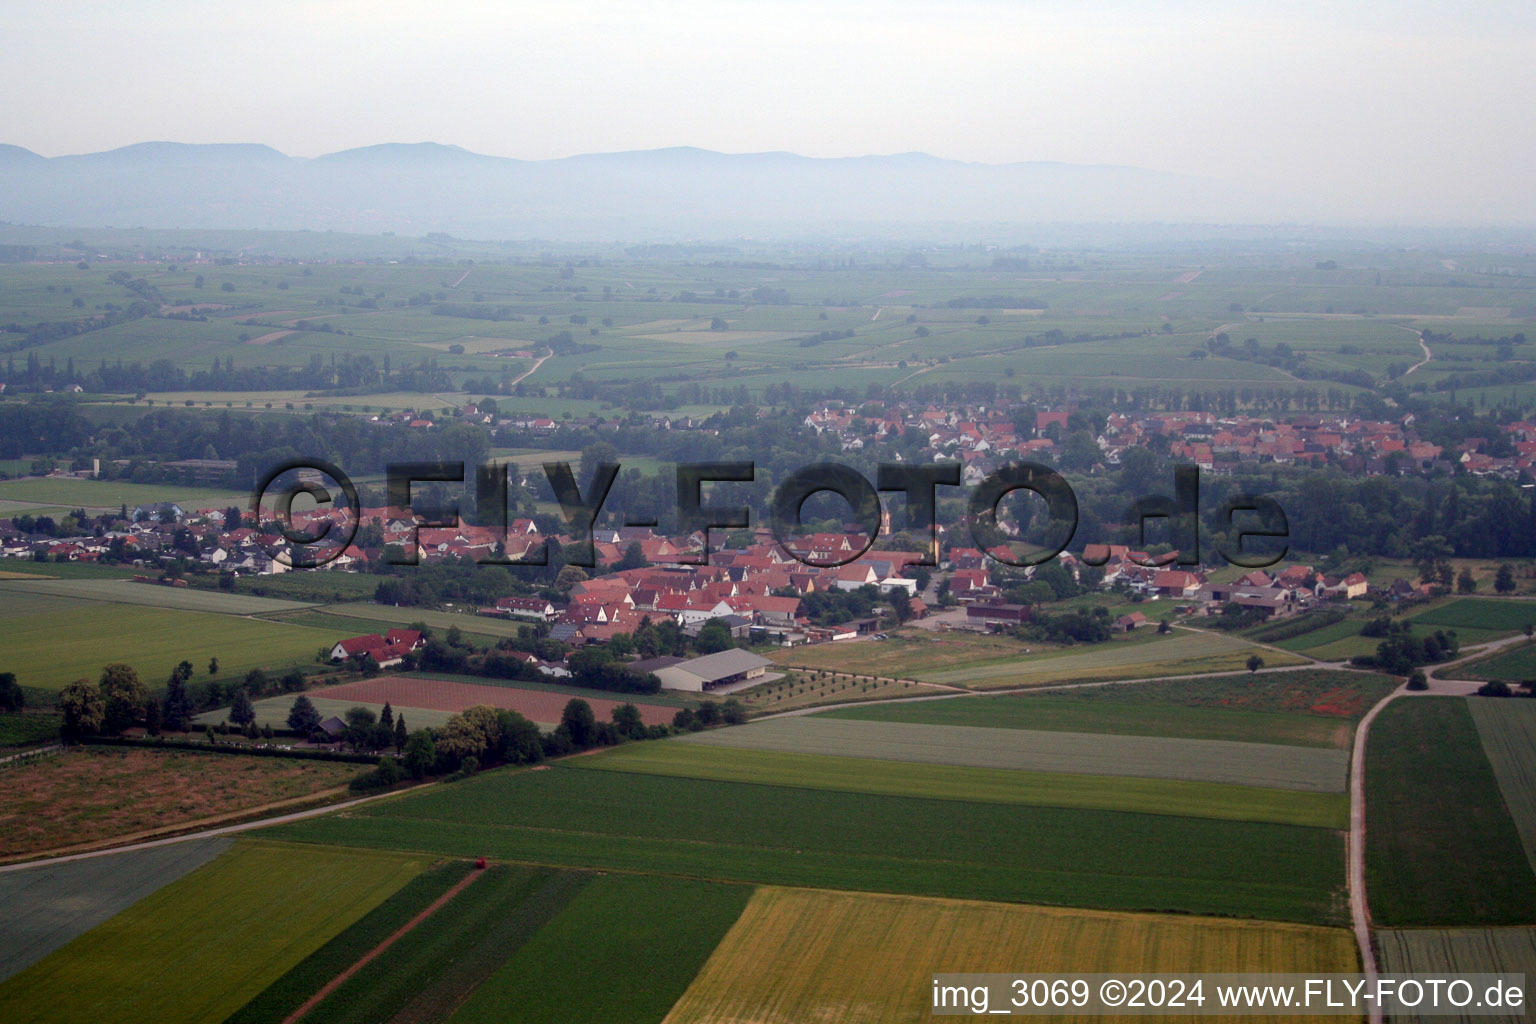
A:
<point x="21" y="730"/>
<point x="434" y="966"/>
<point x="1512" y="665"/>
<point x="289" y="992"/>
<point x="1508" y="731"/>
<point x="1304" y="708"/>
<point x="780" y="835"/>
<point x="200" y="948"/>
<point x="986" y="785"/>
<point x="50" y="649"/>
<point x="621" y="952"/>
<point x="1484" y="614"/>
<point x="1179" y="654"/>
<point x="1441" y="848"/>
<point x="1310" y="769"/>
<point x="72" y="492"/>
<point x="48" y="906"/>
<point x="148" y="595"/>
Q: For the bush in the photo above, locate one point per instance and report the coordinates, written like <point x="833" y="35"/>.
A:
<point x="1494" y="689"/>
<point x="1418" y="681"/>
<point x="386" y="774"/>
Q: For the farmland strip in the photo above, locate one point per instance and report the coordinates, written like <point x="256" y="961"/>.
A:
<point x="378" y="950"/>
<point x="1252" y="764"/>
<point x="1508" y="732"/>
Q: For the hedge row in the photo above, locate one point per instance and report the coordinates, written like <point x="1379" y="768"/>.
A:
<point x="231" y="748"/>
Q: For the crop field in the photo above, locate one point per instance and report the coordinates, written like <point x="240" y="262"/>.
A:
<point x="906" y="654"/>
<point x="89" y="794"/>
<point x="244" y="919"/>
<point x="622" y="952"/>
<point x="1312" y="708"/>
<point x="52" y="904"/>
<point x="1433" y="951"/>
<point x="72" y="492"/>
<point x="148" y="595"/>
<point x="570" y="816"/>
<point x="441" y="695"/>
<point x="1442" y="849"/>
<point x="23" y="730"/>
<point x="1512" y="665"/>
<point x="987" y="785"/>
<point x="799" y="955"/>
<point x="1479" y="613"/>
<point x="1310" y="769"/>
<point x="435" y="966"/>
<point x="308" y="977"/>
<point x="51" y="649"/>
<point x="1508" y="731"/>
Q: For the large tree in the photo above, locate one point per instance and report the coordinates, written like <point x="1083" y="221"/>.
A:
<point x="83" y="708"/>
<point x="241" y="710"/>
<point x="11" y="697"/>
<point x="303" y="718"/>
<point x="123" y="695"/>
<point x="579" y="723"/>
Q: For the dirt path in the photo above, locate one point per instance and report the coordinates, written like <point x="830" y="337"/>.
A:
<point x="531" y="370"/>
<point x="376" y="951"/>
<point x="1428" y="355"/>
<point x="1359" y="908"/>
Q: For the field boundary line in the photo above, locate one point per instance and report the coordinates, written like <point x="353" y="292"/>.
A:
<point x="377" y="951"/>
<point x="1359" y="905"/>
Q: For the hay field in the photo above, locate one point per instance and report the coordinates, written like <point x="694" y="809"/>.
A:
<point x="1313" y="769"/>
<point x="797" y="955"/>
<point x="199" y="948"/>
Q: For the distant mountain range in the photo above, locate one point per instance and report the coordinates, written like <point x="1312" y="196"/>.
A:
<point x="661" y="194"/>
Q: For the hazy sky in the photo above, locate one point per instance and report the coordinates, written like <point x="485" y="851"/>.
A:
<point x="1382" y="105"/>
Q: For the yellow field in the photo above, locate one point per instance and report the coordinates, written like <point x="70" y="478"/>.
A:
<point x="799" y="955"/>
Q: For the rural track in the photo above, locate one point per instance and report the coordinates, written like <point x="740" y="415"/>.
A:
<point x="377" y="951"/>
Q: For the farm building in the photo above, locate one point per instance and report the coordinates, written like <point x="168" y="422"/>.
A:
<point x="713" y="671"/>
<point x="386" y="650"/>
<point x="989" y="613"/>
